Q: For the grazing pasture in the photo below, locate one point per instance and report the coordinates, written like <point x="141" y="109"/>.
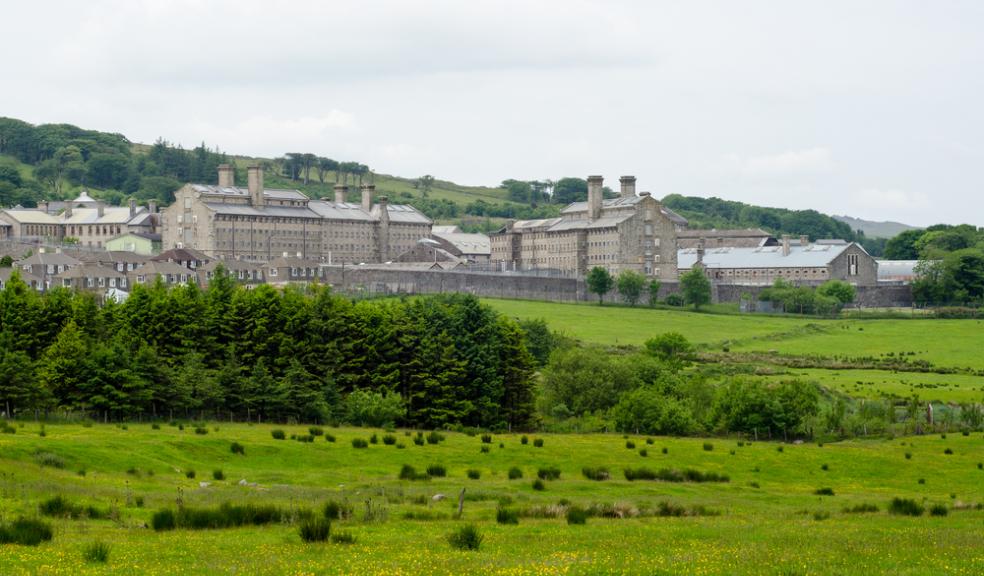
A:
<point x="741" y="507"/>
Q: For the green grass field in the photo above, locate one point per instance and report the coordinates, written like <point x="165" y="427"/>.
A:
<point x="881" y="383"/>
<point x="769" y="521"/>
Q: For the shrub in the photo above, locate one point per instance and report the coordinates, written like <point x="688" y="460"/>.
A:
<point x="666" y="475"/>
<point x="26" y="532"/>
<point x="486" y="438"/>
<point x="359" y="443"/>
<point x="905" y="507"/>
<point x="649" y="441"/>
<point x="304" y="438"/>
<point x="201" y="430"/>
<point x="484" y="450"/>
<point x="779" y="449"/>
<point x="278" y="434"/>
<point x="922" y="480"/>
<point x="465" y="538"/>
<point x="629" y="444"/>
<point x="190" y="474"/>
<point x="218" y="474"/>
<point x="315" y="529"/>
<point x="861" y="509"/>
<point x="824" y="491"/>
<point x="524" y="440"/>
<point x="434" y="437"/>
<point x="708" y="447"/>
<point x="538" y="442"/>
<point x="374" y="439"/>
<point x="49" y="459"/>
<point x="515" y="473"/>
<point x="418" y="440"/>
<point x="598" y="474"/>
<point x="96" y="552"/>
<point x="316" y="431"/>
<point x="821" y="515"/>
<point x="551" y="473"/>
<point x="474" y="474"/>
<point x="576" y="515"/>
<point x="59" y="506"/>
<point x="908" y="455"/>
<point x="155" y="426"/>
<point x="643" y="452"/>
<point x="665" y="450"/>
<point x="948" y="451"/>
<point x="938" y="510"/>
<point x="506" y="516"/>
<point x="437" y="470"/>
<point x="389" y="440"/>
<point x="824" y="467"/>
<point x="343" y="538"/>
<point x="538" y="485"/>
<point x="163" y="520"/>
<point x="237" y="448"/>
<point x="329" y="437"/>
<point x="408" y="472"/>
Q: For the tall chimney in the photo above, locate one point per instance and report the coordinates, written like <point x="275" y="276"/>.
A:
<point x="384" y="222"/>
<point x="594" y="196"/>
<point x="133" y="207"/>
<point x="700" y="251"/>
<point x="628" y="186"/>
<point x="68" y="210"/>
<point x="804" y="241"/>
<point x="340" y="191"/>
<point x="100" y="209"/>
<point x="227" y="176"/>
<point x="367" y="191"/>
<point x="152" y="206"/>
<point x="254" y="179"/>
<point x="785" y="244"/>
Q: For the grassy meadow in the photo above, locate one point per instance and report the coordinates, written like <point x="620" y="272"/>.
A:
<point x="766" y="519"/>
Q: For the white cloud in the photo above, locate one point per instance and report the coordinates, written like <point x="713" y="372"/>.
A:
<point x="791" y="163"/>
<point x="263" y="132"/>
<point x="890" y="199"/>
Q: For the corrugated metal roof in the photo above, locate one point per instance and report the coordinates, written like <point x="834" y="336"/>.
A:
<point x="810" y="256"/>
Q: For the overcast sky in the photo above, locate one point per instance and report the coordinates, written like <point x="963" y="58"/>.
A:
<point x="866" y="108"/>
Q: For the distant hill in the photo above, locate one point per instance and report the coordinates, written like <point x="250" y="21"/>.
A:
<point x="873" y="229"/>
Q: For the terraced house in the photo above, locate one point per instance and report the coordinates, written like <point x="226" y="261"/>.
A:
<point x="262" y="224"/>
<point x="89" y="222"/>
<point x="631" y="232"/>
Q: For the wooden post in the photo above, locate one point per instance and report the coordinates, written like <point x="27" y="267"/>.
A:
<point x="461" y="502"/>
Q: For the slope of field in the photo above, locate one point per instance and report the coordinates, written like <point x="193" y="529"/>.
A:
<point x="881" y="383"/>
<point x="766" y="519"/>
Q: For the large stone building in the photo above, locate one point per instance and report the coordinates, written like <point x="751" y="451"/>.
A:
<point x="797" y="262"/>
<point x="262" y="224"/>
<point x="631" y="232"/>
<point x="91" y="223"/>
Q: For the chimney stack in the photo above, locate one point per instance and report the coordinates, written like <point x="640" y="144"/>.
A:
<point x="254" y="178"/>
<point x="227" y="176"/>
<point x="133" y="207"/>
<point x="804" y="241"/>
<point x="152" y="206"/>
<point x="100" y="209"/>
<point x="341" y="191"/>
<point x="700" y="251"/>
<point x="594" y="196"/>
<point x="384" y="220"/>
<point x="367" y="191"/>
<point x="785" y="244"/>
<point x="628" y="186"/>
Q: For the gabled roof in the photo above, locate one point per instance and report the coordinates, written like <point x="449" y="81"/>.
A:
<point x="110" y="215"/>
<point x="232" y="265"/>
<point x="31" y="216"/>
<point x="181" y="255"/>
<point x="48" y="259"/>
<point x="163" y="268"/>
<point x="810" y="256"/>
<point x="27" y="277"/>
<point x="293" y="262"/>
<point x="466" y="243"/>
<point x="88" y="270"/>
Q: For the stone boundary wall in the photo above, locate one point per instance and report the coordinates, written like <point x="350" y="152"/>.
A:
<point x="390" y="282"/>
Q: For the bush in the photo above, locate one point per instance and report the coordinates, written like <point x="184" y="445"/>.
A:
<point x="905" y="507"/>
<point x="201" y="430"/>
<point x="643" y="452"/>
<point x="304" y="438"/>
<point x="190" y="474"/>
<point x="506" y="516"/>
<point x="389" y="440"/>
<point x="484" y="450"/>
<point x="551" y="473"/>
<point x="630" y="444"/>
<point x="329" y="437"/>
<point x="359" y="443"/>
<point x="824" y="491"/>
<point x="59" y="506"/>
<point x="821" y="515"/>
<point x="538" y="442"/>
<point x="155" y="426"/>
<point x="374" y="439"/>
<point x="649" y="441"/>
<point x="418" y="440"/>
<point x="708" y="447"/>
<point x="237" y="448"/>
<point x="576" y="515"/>
<point x="515" y="473"/>
<point x="26" y="532"/>
<point x="218" y="474"/>
<point x="316" y="431"/>
<point x="474" y="474"/>
<point x="163" y="520"/>
<point x="434" y="437"/>
<point x="665" y="450"/>
<point x="861" y="509"/>
<point x="465" y="538"/>
<point x="524" y="440"/>
<point x="824" y="467"/>
<point x="538" y="485"/>
<point x="908" y="455"/>
<point x="408" y="472"/>
<point x="948" y="451"/>
<point x="49" y="459"/>
<point x="343" y="538"/>
<point x="437" y="470"/>
<point x="486" y="438"/>
<point x="96" y="552"/>
<point x="938" y="510"/>
<point x="598" y="474"/>
<point x="278" y="434"/>
<point x="315" y="529"/>
<point x="666" y="475"/>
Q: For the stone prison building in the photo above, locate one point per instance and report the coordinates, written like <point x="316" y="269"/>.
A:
<point x="631" y="232"/>
<point x="261" y="224"/>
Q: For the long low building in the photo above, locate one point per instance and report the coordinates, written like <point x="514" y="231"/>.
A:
<point x="795" y="262"/>
<point x="260" y="224"/>
<point x="85" y="221"/>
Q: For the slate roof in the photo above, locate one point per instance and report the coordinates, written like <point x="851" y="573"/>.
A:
<point x="810" y="256"/>
<point x="466" y="243"/>
<point x="273" y="193"/>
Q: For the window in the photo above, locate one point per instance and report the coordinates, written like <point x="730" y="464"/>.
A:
<point x="852" y="264"/>
<point x="273" y="272"/>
